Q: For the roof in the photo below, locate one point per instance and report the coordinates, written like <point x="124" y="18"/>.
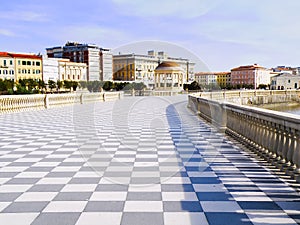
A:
<point x="211" y="73"/>
<point x="168" y="66"/>
<point x="287" y="75"/>
<point x="19" y="55"/>
<point x="248" y="67"/>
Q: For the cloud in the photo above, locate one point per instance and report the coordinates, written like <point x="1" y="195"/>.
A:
<point x="8" y="33"/>
<point x="23" y="15"/>
<point x="177" y="8"/>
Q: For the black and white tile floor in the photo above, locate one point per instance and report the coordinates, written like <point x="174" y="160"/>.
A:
<point x="135" y="161"/>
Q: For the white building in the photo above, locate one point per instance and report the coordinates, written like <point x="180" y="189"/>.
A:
<point x="285" y="81"/>
<point x="106" y="67"/>
<point x="7" y="66"/>
<point x="206" y="78"/>
<point x="63" y="69"/>
<point x="50" y="69"/>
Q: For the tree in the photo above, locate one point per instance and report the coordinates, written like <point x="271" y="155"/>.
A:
<point x="74" y="85"/>
<point x="108" y="85"/>
<point x="83" y="84"/>
<point x="51" y="84"/>
<point x="68" y="84"/>
<point x="59" y="84"/>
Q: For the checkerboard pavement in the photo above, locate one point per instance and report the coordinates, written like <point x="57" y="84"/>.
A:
<point x="135" y="161"/>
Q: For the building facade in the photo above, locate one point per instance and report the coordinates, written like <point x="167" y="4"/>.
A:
<point x="168" y="76"/>
<point x="250" y="75"/>
<point x="98" y="61"/>
<point x="50" y="69"/>
<point x="106" y="66"/>
<point x="140" y="68"/>
<point x="285" y="81"/>
<point x="206" y="78"/>
<point x="71" y="71"/>
<point x="7" y="66"/>
<point x="20" y="66"/>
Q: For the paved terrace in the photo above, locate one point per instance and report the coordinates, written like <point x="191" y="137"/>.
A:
<point x="142" y="160"/>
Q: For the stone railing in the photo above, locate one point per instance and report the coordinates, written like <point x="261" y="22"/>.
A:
<point x="14" y="103"/>
<point x="255" y="97"/>
<point x="273" y="135"/>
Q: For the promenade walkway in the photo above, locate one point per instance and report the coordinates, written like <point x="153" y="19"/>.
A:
<point x="136" y="161"/>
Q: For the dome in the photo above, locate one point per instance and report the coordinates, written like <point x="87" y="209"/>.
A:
<point x="168" y="66"/>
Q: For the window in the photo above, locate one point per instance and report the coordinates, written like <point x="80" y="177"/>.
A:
<point x="73" y="77"/>
<point x="78" y="77"/>
<point x="289" y="81"/>
<point x="19" y="62"/>
<point x="10" y="62"/>
<point x="23" y="63"/>
<point x="33" y="71"/>
<point x="38" y="63"/>
<point x="0" y="71"/>
<point x="33" y="63"/>
<point x="5" y="72"/>
<point x="4" y="62"/>
<point x="63" y="77"/>
<point x="28" y="71"/>
<point x="28" y="63"/>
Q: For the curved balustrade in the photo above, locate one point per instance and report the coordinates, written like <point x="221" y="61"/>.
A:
<point x="273" y="135"/>
<point x="15" y="103"/>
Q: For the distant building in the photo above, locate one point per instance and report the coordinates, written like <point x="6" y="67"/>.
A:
<point x="285" y="81"/>
<point x="7" y="66"/>
<point x="63" y="69"/>
<point x="98" y="60"/>
<point x="206" y="78"/>
<point x="169" y="76"/>
<point x="140" y="68"/>
<point x="285" y="69"/>
<point x="106" y="67"/>
<point x="221" y="79"/>
<point x="250" y="75"/>
<point x="20" y="66"/>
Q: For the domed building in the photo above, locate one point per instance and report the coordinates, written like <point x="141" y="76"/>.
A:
<point x="168" y="76"/>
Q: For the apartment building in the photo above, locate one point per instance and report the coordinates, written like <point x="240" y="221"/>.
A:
<point x="20" y="66"/>
<point x="98" y="60"/>
<point x="250" y="75"/>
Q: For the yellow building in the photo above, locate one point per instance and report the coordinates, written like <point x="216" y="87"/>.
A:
<point x="20" y="66"/>
<point x="223" y="78"/>
<point x="27" y="66"/>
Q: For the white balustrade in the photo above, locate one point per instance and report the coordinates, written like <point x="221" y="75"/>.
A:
<point x="15" y="103"/>
<point x="273" y="135"/>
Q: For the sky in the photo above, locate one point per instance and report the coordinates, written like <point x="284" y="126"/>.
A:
<point x="223" y="34"/>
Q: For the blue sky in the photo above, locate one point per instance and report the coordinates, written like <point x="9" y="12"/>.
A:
<point x="222" y="33"/>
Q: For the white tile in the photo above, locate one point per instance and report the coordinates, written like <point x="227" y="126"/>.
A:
<point x="65" y="206"/>
<point x="13" y="169"/>
<point x="220" y="206"/>
<point x="143" y="206"/>
<point x="36" y="196"/>
<point x="4" y="180"/>
<point x="79" y="188"/>
<point x="89" y="174"/>
<point x="179" y="196"/>
<point x="144" y="188"/>
<point x="263" y="218"/>
<point x="17" y="218"/>
<point x="115" y="180"/>
<point x="180" y="218"/>
<point x="66" y="169"/>
<point x="54" y="180"/>
<point x="31" y="175"/>
<point x="45" y="164"/>
<point x="108" y="196"/>
<point x="94" y="218"/>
